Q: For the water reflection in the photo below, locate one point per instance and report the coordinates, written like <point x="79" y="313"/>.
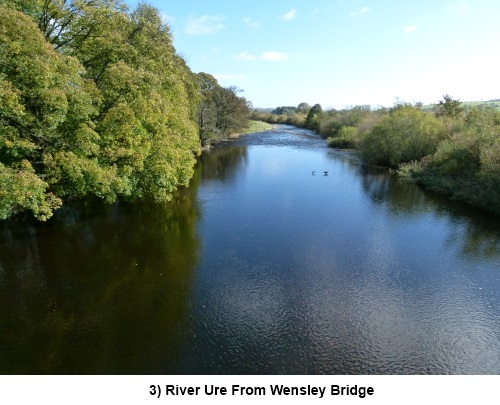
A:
<point x="222" y="163"/>
<point x="99" y="289"/>
<point x="473" y="232"/>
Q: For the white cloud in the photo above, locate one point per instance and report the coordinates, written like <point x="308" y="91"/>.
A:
<point x="245" y="56"/>
<point x="204" y="25"/>
<point x="252" y="24"/>
<point x="273" y="56"/>
<point x="410" y="28"/>
<point x="290" y="15"/>
<point x="362" y="10"/>
<point x="270" y="56"/>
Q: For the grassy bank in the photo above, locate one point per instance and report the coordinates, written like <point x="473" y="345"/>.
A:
<point x="257" y="126"/>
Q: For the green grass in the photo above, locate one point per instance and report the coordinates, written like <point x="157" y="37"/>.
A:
<point x="257" y="126"/>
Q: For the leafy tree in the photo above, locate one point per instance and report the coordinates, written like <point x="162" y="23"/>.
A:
<point x="284" y="110"/>
<point x="46" y="109"/>
<point x="107" y="110"/>
<point x="206" y="113"/>
<point x="230" y="109"/>
<point x="448" y="107"/>
<point x="303" y="108"/>
<point x="221" y="111"/>
<point x="62" y="21"/>
<point x="314" y="117"/>
<point x="146" y="122"/>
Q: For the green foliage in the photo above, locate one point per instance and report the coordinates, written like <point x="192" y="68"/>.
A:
<point x="406" y="134"/>
<point x="220" y="111"/>
<point x="333" y="121"/>
<point x="94" y="100"/>
<point x="46" y="107"/>
<point x="314" y="117"/>
<point x="303" y="108"/>
<point x="290" y="110"/>
<point x="465" y="166"/>
<point x="21" y="189"/>
<point x="346" y="138"/>
<point x="288" y="115"/>
<point x="448" y="107"/>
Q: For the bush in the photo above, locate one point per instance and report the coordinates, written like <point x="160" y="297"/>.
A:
<point x="404" y="135"/>
<point x="465" y="166"/>
<point x="347" y="138"/>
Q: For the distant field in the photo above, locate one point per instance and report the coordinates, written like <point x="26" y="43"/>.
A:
<point x="492" y="103"/>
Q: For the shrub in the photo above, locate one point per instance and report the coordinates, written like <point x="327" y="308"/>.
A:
<point x="465" y="166"/>
<point x="406" y="134"/>
<point x="347" y="138"/>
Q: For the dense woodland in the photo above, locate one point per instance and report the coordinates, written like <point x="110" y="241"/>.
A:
<point x="94" y="100"/>
<point x="450" y="148"/>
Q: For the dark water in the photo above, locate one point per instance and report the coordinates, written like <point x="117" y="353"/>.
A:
<point x="258" y="267"/>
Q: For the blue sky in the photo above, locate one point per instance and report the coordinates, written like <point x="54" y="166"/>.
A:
<point x="342" y="52"/>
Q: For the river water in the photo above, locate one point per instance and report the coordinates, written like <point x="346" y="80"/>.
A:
<point x="259" y="267"/>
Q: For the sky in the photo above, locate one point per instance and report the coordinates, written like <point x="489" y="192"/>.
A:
<point x="341" y="53"/>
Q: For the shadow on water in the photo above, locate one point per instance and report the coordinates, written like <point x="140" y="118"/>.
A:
<point x="99" y="288"/>
<point x="222" y="163"/>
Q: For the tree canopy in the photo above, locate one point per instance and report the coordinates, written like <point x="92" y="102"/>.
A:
<point x="94" y="100"/>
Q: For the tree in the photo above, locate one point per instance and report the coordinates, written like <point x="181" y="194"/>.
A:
<point x="108" y="111"/>
<point x="284" y="110"/>
<point x="314" y="117"/>
<point x="221" y="111"/>
<point x="303" y="108"/>
<point x="47" y="109"/>
<point x="206" y="111"/>
<point x="448" y="107"/>
<point x="231" y="111"/>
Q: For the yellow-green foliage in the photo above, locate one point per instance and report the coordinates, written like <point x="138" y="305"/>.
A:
<point x="347" y="137"/>
<point x="406" y="134"/>
<point x="21" y="189"/>
<point x="467" y="164"/>
<point x="114" y="119"/>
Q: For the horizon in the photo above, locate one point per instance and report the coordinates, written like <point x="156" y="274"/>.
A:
<point x="344" y="52"/>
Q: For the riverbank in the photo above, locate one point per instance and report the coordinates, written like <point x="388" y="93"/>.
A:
<point x="453" y="149"/>
<point x="257" y="126"/>
<point x="252" y="127"/>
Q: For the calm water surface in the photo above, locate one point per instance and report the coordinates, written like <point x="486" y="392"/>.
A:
<point x="259" y="267"/>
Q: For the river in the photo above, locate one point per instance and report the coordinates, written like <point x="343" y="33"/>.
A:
<point x="259" y="267"/>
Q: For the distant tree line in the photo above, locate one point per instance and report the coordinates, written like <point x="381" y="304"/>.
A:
<point x="452" y="149"/>
<point x="94" y="100"/>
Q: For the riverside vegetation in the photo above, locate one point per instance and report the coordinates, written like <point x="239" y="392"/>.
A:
<point x="94" y="100"/>
<point x="450" y="148"/>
